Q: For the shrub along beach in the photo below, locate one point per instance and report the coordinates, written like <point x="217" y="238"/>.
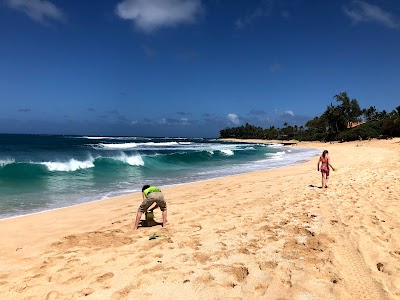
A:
<point x="268" y="234"/>
<point x="343" y="122"/>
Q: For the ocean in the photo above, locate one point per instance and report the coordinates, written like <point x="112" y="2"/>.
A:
<point x="45" y="172"/>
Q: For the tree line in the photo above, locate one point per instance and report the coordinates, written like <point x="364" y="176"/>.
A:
<point x="345" y="121"/>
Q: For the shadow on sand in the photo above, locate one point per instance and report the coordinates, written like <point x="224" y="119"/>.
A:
<point x="314" y="186"/>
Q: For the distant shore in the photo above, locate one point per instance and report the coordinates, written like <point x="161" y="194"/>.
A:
<point x="285" y="142"/>
<point x="270" y="234"/>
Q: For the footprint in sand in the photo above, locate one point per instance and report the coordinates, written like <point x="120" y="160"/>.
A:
<point x="264" y="265"/>
<point x="201" y="257"/>
<point x="122" y="293"/>
<point x="395" y="254"/>
<point x="105" y="276"/>
<point x="52" y="295"/>
<point x="110" y="260"/>
<point x="20" y="288"/>
<point x="86" y="292"/>
<point x="74" y="279"/>
<point x="261" y="289"/>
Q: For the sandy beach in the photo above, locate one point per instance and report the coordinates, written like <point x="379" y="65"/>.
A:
<point x="272" y="234"/>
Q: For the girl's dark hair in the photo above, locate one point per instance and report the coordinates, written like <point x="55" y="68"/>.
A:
<point x="324" y="153"/>
<point x="145" y="187"/>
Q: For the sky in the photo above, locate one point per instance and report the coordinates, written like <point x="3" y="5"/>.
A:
<point x="190" y="68"/>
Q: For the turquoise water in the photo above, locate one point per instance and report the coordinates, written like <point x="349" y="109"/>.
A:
<point x="44" y="172"/>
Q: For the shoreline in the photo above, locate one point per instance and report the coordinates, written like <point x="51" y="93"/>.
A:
<point x="269" y="233"/>
<point x="97" y="199"/>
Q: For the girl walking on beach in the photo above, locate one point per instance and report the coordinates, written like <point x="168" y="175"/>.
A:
<point x="325" y="164"/>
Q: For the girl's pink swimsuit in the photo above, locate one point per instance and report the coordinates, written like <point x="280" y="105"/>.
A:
<point x="324" y="165"/>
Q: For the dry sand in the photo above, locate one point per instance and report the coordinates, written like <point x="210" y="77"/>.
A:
<point x="270" y="234"/>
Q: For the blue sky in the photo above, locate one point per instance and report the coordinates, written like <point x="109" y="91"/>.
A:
<point x="190" y="67"/>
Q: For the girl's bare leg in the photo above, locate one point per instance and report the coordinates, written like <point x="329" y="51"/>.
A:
<point x="324" y="180"/>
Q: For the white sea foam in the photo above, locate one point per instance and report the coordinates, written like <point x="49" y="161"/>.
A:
<point x="7" y="161"/>
<point x="69" y="166"/>
<point x="127" y="146"/>
<point x="280" y="153"/>
<point x="277" y="155"/>
<point x="134" y="160"/>
<point x="169" y="146"/>
<point x="271" y="161"/>
<point x="123" y="138"/>
<point x="97" y="137"/>
<point x="275" y="145"/>
<point x="159" y="144"/>
<point x="226" y="151"/>
<point x="116" y="146"/>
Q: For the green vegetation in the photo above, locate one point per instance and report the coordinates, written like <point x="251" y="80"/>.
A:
<point x="338" y="123"/>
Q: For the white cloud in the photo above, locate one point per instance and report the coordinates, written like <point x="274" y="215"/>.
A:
<point x="185" y="121"/>
<point x="37" y="10"/>
<point x="361" y="11"/>
<point x="234" y="118"/>
<point x="283" y="113"/>
<point x="289" y="112"/>
<point x="150" y="15"/>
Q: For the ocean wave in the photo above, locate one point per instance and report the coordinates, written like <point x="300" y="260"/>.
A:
<point x="123" y="138"/>
<point x="115" y="146"/>
<point x="73" y="164"/>
<point x="276" y="155"/>
<point x="226" y="151"/>
<point x="127" y="146"/>
<point x="171" y="146"/>
<point x="97" y="137"/>
<point x="185" y="143"/>
<point x="69" y="166"/>
<point x="134" y="160"/>
<point x="7" y="161"/>
<point x="160" y="144"/>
